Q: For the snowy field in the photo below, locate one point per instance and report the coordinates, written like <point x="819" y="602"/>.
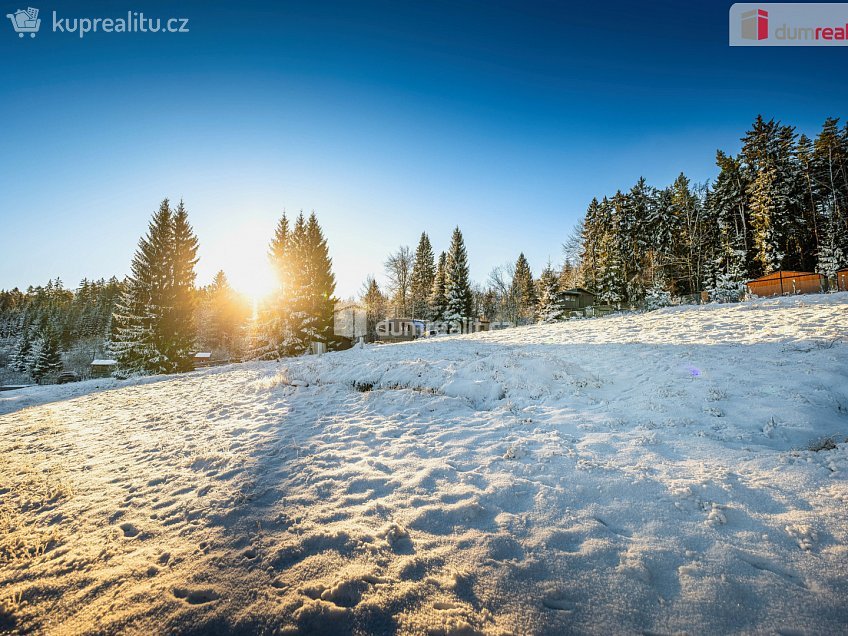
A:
<point x="644" y="474"/>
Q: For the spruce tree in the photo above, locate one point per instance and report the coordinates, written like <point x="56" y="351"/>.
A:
<point x="423" y="274"/>
<point x="551" y="301"/>
<point x="275" y="338"/>
<point x="375" y="306"/>
<point x="320" y="283"/>
<point x="727" y="206"/>
<point x="830" y="173"/>
<point x="310" y="285"/>
<point x="438" y="301"/>
<point x="657" y="295"/>
<point x="524" y="290"/>
<point x="830" y="257"/>
<point x="611" y="283"/>
<point x="46" y="356"/>
<point x="775" y="193"/>
<point x="21" y="358"/>
<point x="224" y="314"/>
<point x="636" y="208"/>
<point x="590" y="230"/>
<point x="140" y="319"/>
<point x="183" y="330"/>
<point x="458" y="296"/>
<point x="154" y="320"/>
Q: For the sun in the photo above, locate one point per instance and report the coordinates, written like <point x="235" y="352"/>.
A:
<point x="253" y="278"/>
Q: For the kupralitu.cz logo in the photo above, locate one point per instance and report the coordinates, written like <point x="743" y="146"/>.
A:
<point x="789" y="24"/>
<point x="27" y="21"/>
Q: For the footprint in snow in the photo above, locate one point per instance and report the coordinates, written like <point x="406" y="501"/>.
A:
<point x="196" y="597"/>
<point x="559" y="604"/>
<point x="129" y="530"/>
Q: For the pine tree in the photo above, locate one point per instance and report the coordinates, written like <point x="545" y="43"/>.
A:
<point x="524" y="290"/>
<point x="310" y="285"/>
<point x="728" y="288"/>
<point x="810" y="199"/>
<point x="154" y="320"/>
<point x="551" y="301"/>
<point x="375" y="306"/>
<point x="830" y="174"/>
<point x="636" y="208"/>
<point x="591" y="229"/>
<point x="46" y="357"/>
<point x="275" y="337"/>
<point x="22" y="357"/>
<point x="224" y="315"/>
<point x="686" y="253"/>
<point x="320" y="285"/>
<point x="438" y="301"/>
<point x="423" y="274"/>
<point x="657" y="296"/>
<point x="183" y="330"/>
<point x="139" y="341"/>
<point x="611" y="282"/>
<point x="831" y="258"/>
<point x="727" y="206"/>
<point x="774" y="193"/>
<point x="457" y="285"/>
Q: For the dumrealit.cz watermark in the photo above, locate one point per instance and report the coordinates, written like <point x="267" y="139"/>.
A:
<point x="789" y="24"/>
<point x="27" y="22"/>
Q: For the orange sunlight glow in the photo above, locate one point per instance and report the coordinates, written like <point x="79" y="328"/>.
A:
<point x="248" y="270"/>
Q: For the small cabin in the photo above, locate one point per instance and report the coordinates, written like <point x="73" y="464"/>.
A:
<point x="103" y="368"/>
<point x="782" y="283"/>
<point x="578" y="298"/>
<point x="350" y="324"/>
<point x="842" y="280"/>
<point x="201" y="359"/>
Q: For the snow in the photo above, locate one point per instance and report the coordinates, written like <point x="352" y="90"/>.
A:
<point x="638" y="473"/>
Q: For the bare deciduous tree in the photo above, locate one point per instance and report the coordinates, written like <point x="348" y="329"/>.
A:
<point x="399" y="272"/>
<point x="500" y="282"/>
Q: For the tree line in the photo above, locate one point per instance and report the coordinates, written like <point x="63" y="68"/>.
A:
<point x="424" y="287"/>
<point x="780" y="203"/>
<point x="38" y="324"/>
<point x="155" y="319"/>
<point x="440" y="290"/>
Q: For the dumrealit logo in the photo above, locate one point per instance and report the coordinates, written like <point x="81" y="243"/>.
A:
<point x="789" y="24"/>
<point x="755" y="24"/>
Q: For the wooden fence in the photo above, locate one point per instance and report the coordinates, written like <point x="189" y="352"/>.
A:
<point x="781" y="283"/>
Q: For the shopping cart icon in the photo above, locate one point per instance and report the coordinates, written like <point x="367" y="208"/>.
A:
<point x="25" y="21"/>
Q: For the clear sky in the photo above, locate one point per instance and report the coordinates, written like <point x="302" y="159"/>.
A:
<point x="386" y="118"/>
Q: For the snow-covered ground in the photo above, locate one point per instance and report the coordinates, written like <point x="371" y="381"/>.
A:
<point x="631" y="474"/>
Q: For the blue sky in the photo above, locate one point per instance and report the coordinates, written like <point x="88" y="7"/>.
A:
<point x="386" y="118"/>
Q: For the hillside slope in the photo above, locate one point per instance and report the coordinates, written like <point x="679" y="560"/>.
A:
<point x="637" y="473"/>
